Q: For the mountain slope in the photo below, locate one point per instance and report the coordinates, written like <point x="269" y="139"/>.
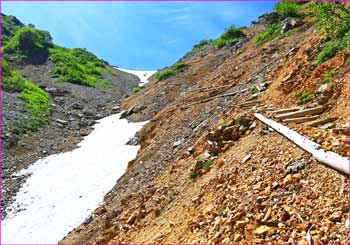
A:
<point x="51" y="97"/>
<point x="208" y="171"/>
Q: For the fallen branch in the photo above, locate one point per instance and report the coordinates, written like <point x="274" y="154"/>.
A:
<point x="327" y="157"/>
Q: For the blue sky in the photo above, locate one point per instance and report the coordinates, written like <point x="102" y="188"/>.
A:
<point x="136" y="35"/>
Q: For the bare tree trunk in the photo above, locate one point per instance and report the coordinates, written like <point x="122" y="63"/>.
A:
<point x="327" y="157"/>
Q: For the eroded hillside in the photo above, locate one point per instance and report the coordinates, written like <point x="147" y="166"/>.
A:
<point x="209" y="172"/>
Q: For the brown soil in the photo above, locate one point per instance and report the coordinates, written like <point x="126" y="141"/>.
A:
<point x="258" y="200"/>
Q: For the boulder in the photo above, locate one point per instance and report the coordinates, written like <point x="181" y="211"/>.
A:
<point x="288" y="24"/>
<point x="76" y="106"/>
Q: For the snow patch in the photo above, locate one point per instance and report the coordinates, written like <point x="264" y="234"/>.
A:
<point x="142" y="75"/>
<point x="65" y="188"/>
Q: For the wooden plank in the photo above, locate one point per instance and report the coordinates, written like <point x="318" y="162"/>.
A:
<point x="301" y="113"/>
<point x="287" y="110"/>
<point x="329" y="158"/>
<point x="300" y="119"/>
<point x="323" y="121"/>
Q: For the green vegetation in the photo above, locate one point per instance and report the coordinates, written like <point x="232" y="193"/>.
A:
<point x="230" y="36"/>
<point x="243" y="129"/>
<point x="10" y="25"/>
<point x="78" y="66"/>
<point x="35" y="100"/>
<point x="193" y="175"/>
<point x="325" y="79"/>
<point x="136" y="89"/>
<point x="198" y="47"/>
<point x="333" y="24"/>
<point x="302" y="96"/>
<point x="255" y="89"/>
<point x="271" y="32"/>
<point x="29" y="43"/>
<point x="328" y="51"/>
<point x="287" y="8"/>
<point x="174" y="69"/>
<point x="200" y="164"/>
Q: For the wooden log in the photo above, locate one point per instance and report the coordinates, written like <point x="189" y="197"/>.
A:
<point x="287" y="110"/>
<point x="327" y="157"/>
<point x="322" y="121"/>
<point x="301" y="113"/>
<point x="300" y="119"/>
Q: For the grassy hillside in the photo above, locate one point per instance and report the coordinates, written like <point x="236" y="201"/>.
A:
<point x="35" y="100"/>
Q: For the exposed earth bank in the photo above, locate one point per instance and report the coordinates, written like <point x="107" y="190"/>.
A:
<point x="209" y="172"/>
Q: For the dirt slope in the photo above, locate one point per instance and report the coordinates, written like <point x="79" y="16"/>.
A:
<point x="208" y="172"/>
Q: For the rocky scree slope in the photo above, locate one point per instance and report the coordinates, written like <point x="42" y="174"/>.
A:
<point x="51" y="98"/>
<point x="208" y="171"/>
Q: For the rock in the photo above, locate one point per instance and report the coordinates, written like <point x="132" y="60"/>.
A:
<point x="126" y="113"/>
<point x="262" y="229"/>
<point x="287" y="180"/>
<point x="84" y="132"/>
<point x="296" y="166"/>
<point x="139" y="108"/>
<point x="76" y="106"/>
<point x="322" y="88"/>
<point x="244" y="121"/>
<point x="62" y="122"/>
<point x="268" y="19"/>
<point x="88" y="220"/>
<point x="134" y="141"/>
<point x="336" y="216"/>
<point x="275" y="185"/>
<point x="246" y="158"/>
<point x="57" y="92"/>
<point x="177" y="143"/>
<point x="288" y="24"/>
<point x="116" y="109"/>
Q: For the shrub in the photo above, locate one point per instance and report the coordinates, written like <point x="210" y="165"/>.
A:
<point x="35" y="100"/>
<point x="164" y="74"/>
<point x="230" y="36"/>
<point x="303" y="97"/>
<point x="328" y="51"/>
<point x="325" y="79"/>
<point x="136" y="89"/>
<point x="287" y="8"/>
<point x="10" y="25"/>
<point x="177" y="67"/>
<point x="29" y="43"/>
<point x="78" y="66"/>
<point x="193" y="175"/>
<point x="333" y="23"/>
<point x="200" y="164"/>
<point x="269" y="33"/>
<point x="201" y="44"/>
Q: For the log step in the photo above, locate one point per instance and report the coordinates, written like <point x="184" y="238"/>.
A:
<point x="301" y="113"/>
<point x="286" y="110"/>
<point x="301" y="119"/>
<point x="322" y="121"/>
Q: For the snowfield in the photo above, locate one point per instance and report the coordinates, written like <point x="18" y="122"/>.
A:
<point x="65" y="188"/>
<point x="142" y="75"/>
